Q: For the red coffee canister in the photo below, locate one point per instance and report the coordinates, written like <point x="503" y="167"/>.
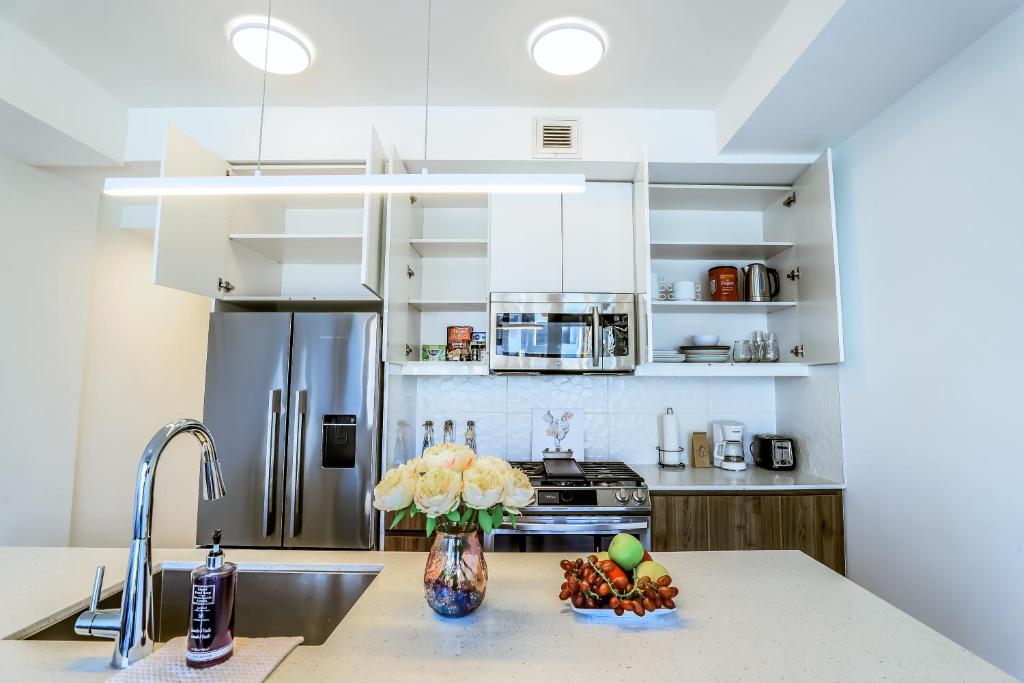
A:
<point x="724" y="283"/>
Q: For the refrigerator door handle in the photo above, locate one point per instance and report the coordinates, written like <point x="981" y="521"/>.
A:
<point x="273" y="429"/>
<point x="299" y="446"/>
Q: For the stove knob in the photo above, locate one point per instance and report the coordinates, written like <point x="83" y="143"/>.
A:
<point x="639" y="495"/>
<point x="622" y="495"/>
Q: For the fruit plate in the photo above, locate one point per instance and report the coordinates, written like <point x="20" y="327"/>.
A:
<point x="610" y="613"/>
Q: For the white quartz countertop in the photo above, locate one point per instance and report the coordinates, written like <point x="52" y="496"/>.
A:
<point x="715" y="479"/>
<point x="757" y="616"/>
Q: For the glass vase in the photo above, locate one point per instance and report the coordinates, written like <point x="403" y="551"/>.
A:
<point x="455" y="579"/>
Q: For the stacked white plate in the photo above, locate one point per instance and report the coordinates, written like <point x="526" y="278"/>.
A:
<point x="705" y="354"/>
<point x="668" y="356"/>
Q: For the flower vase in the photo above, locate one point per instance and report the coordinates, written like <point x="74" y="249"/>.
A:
<point x="455" y="579"/>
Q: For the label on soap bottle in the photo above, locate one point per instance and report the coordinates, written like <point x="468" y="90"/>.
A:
<point x="202" y="621"/>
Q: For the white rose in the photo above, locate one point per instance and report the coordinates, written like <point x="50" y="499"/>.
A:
<point x="438" y="491"/>
<point x="395" y="491"/>
<point x="450" y="455"/>
<point x="483" y="484"/>
<point x="518" y="491"/>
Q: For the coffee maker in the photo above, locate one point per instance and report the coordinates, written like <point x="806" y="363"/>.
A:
<point x="728" y="445"/>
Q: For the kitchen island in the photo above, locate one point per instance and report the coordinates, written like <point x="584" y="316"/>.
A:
<point x="765" y="615"/>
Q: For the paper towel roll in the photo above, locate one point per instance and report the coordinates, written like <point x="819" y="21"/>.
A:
<point x="670" y="438"/>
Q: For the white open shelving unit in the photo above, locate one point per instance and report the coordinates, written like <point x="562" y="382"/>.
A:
<point x="742" y="216"/>
<point x="303" y="249"/>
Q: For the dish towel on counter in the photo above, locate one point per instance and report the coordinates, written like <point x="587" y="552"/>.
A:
<point x="253" y="660"/>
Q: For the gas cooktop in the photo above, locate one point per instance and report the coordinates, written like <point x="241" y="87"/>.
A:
<point x="569" y="472"/>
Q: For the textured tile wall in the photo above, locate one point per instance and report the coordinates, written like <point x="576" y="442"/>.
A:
<point x="621" y="413"/>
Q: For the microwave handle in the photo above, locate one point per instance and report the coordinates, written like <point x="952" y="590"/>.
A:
<point x="595" y="335"/>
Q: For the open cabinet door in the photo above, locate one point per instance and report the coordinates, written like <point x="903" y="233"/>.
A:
<point x="403" y="218"/>
<point x="642" y="265"/>
<point x="373" y="218"/>
<point x="191" y="232"/>
<point x="813" y="222"/>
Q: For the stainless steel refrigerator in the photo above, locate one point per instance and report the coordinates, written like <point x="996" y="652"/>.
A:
<point x="292" y="401"/>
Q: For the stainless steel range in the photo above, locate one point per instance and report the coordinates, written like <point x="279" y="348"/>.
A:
<point x="579" y="506"/>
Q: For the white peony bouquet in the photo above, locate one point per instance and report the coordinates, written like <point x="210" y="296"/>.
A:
<point x="455" y="489"/>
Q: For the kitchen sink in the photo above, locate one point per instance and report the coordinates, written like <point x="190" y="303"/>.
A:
<point x="268" y="603"/>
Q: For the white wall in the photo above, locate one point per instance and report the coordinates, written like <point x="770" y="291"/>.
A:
<point x="930" y="230"/>
<point x="48" y="227"/>
<point x="145" y="365"/>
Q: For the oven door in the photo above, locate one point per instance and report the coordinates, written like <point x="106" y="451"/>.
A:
<point x="561" y="333"/>
<point x="565" y="534"/>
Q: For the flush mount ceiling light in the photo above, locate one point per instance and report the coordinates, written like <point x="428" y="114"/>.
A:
<point x="370" y="183"/>
<point x="287" y="53"/>
<point x="568" y="46"/>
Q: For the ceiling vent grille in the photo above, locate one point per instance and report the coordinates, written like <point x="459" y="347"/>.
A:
<point x="557" y="139"/>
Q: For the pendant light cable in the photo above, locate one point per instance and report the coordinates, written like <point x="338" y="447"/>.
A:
<point x="263" y="99"/>
<point x="426" y="91"/>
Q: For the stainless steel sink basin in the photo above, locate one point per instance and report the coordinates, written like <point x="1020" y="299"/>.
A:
<point x="268" y="603"/>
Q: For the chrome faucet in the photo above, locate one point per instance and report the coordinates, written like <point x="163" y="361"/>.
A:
<point x="132" y="626"/>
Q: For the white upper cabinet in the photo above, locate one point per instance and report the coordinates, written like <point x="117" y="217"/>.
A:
<point x="373" y="220"/>
<point x="563" y="243"/>
<point x="814" y="328"/>
<point x="191" y="232"/>
<point x="597" y="239"/>
<point x="257" y="249"/>
<point x="526" y="243"/>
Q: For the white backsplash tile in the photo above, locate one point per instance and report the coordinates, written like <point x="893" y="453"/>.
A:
<point x="490" y="430"/>
<point x="741" y="395"/>
<point x="621" y="412"/>
<point x="656" y="394"/>
<point x="518" y="436"/>
<point x="461" y="394"/>
<point x="595" y="436"/>
<point x="588" y="393"/>
<point x="633" y="437"/>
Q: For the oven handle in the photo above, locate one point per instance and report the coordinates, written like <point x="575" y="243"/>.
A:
<point x="596" y="335"/>
<point x="585" y="528"/>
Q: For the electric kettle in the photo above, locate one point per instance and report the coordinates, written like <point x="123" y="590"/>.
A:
<point x="760" y="283"/>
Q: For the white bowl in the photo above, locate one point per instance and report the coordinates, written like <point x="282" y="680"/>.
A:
<point x="705" y="339"/>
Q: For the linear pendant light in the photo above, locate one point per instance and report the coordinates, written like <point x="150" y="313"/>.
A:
<point x="370" y="183"/>
<point x="374" y="183"/>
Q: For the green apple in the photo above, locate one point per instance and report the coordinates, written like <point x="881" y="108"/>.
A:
<point x="651" y="569"/>
<point x="626" y="551"/>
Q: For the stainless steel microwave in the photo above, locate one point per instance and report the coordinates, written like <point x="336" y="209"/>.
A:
<point x="562" y="332"/>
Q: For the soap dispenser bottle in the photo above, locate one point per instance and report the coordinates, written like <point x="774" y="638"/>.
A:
<point x="211" y="630"/>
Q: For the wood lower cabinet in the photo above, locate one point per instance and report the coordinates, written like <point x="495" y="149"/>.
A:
<point x="791" y="520"/>
<point x="412" y="544"/>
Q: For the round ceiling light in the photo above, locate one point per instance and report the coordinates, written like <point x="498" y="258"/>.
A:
<point x="568" y="46"/>
<point x="287" y="53"/>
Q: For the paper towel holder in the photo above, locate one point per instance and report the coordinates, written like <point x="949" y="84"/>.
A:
<point x="680" y="465"/>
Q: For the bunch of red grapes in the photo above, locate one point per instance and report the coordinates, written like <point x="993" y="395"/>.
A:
<point x="601" y="584"/>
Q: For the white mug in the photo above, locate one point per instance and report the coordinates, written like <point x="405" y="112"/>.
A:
<point x="686" y="290"/>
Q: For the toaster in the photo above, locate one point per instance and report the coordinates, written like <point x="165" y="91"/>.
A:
<point x="773" y="452"/>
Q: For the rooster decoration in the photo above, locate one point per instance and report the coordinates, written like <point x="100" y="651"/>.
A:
<point x="558" y="429"/>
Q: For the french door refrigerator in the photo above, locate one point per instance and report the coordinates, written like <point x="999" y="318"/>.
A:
<point x="292" y="401"/>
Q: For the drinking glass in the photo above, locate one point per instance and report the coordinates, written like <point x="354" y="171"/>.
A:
<point x="771" y="349"/>
<point x="741" y="352"/>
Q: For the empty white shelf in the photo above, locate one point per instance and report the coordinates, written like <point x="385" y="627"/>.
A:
<point x="725" y="251"/>
<point x="303" y="248"/>
<point x="454" y="305"/>
<point x="720" y="306"/>
<point x="428" y="368"/>
<point x="450" y="248"/>
<point x="716" y="197"/>
<point x="722" y="370"/>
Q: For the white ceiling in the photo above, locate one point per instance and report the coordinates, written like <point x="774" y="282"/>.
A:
<point x="153" y="53"/>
